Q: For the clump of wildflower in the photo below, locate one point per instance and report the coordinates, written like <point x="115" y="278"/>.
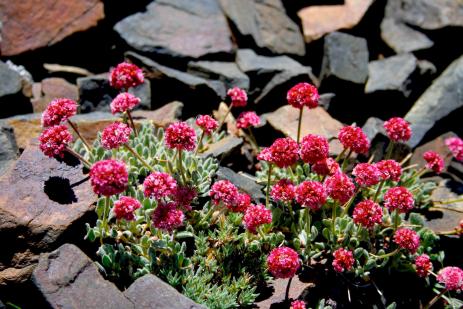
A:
<point x="283" y="152"/>
<point x="390" y="169"/>
<point x="303" y="94"/>
<point x="452" y="278"/>
<point x="247" y="119"/>
<point x="353" y="138"/>
<point x="115" y="135"/>
<point x="398" y="129"/>
<point x="167" y="217"/>
<point x="109" y="177"/>
<point x="340" y="187"/>
<point x="54" y="141"/>
<point x="238" y="97"/>
<point x="180" y="136"/>
<point x="58" y="111"/>
<point x="326" y="167"/>
<point x="283" y="191"/>
<point x="283" y="262"/>
<point x="298" y="304"/>
<point x="314" y="148"/>
<point x="242" y="202"/>
<point x="423" y="265"/>
<point x="255" y="216"/>
<point x="400" y="199"/>
<point x="367" y="213"/>
<point x="407" y="239"/>
<point x="366" y="174"/>
<point x="184" y="196"/>
<point x="311" y="194"/>
<point x="158" y="185"/>
<point x="343" y="260"/>
<point x="455" y="145"/>
<point x="434" y="161"/>
<point x="224" y="191"/>
<point x="207" y="124"/>
<point x="126" y="75"/>
<point x="125" y="207"/>
<point x="124" y="102"/>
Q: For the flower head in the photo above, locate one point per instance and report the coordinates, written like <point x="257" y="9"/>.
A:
<point x="455" y="145"/>
<point x="340" y="187"/>
<point x="255" y="216"/>
<point x="303" y="94"/>
<point x="284" y="152"/>
<point x="423" y="265"/>
<point x="115" y="135"/>
<point x="366" y="175"/>
<point x="207" y="123"/>
<point x="283" y="262"/>
<point x="343" y="260"/>
<point x="124" y="102"/>
<point x="407" y="239"/>
<point x="451" y="277"/>
<point x="158" y="185"/>
<point x="314" y="148"/>
<point x="247" y="119"/>
<point x="238" y="97"/>
<point x="311" y="194"/>
<point x="54" y="140"/>
<point x="180" y="136"/>
<point x="398" y="129"/>
<point x="326" y="167"/>
<point x="184" y="196"/>
<point x="400" y="199"/>
<point x="126" y="75"/>
<point x="390" y="169"/>
<point x="224" y="191"/>
<point x="58" y="111"/>
<point x="367" y="213"/>
<point x="434" y="161"/>
<point x="109" y="177"/>
<point x="355" y="139"/>
<point x="125" y="207"/>
<point x="265" y="155"/>
<point x="298" y="304"/>
<point x="242" y="202"/>
<point x="167" y="217"/>
<point x="283" y="191"/>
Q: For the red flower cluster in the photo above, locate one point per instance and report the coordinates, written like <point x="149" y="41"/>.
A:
<point x="242" y="202"/>
<point x="238" y="97"/>
<point x="303" y="94"/>
<point x="452" y="278"/>
<point x="398" y="129"/>
<point x="326" y="167"/>
<point x="109" y="177"/>
<point x="283" y="191"/>
<point x="298" y="304"/>
<point x="400" y="199"/>
<point x="158" y="185"/>
<point x="126" y="75"/>
<point x="407" y="239"/>
<point x="58" y="111"/>
<point x="283" y="152"/>
<point x="390" y="169"/>
<point x="434" y="161"/>
<point x="367" y="213"/>
<point x="366" y="175"/>
<point x="184" y="196"/>
<point x="311" y="194"/>
<point x="283" y="262"/>
<point x="340" y="187"/>
<point x="125" y="207"/>
<point x="355" y="139"/>
<point x="224" y="191"/>
<point x="255" y="216"/>
<point x="54" y="140"/>
<point x="423" y="265"/>
<point x="115" y="135"/>
<point x="124" y="102"/>
<point x="314" y="148"/>
<point x="247" y="119"/>
<point x="207" y="123"/>
<point x="180" y="136"/>
<point x="167" y="217"/>
<point x="455" y="145"/>
<point x="343" y="260"/>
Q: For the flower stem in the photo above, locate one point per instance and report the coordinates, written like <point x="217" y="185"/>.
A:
<point x="200" y="142"/>
<point x="396" y="219"/>
<point x="339" y="157"/>
<point x="132" y="123"/>
<point x="290" y="209"/>
<point x="385" y="255"/>
<point x="346" y="160"/>
<point x="299" y="124"/>
<point x="378" y="191"/>
<point x="333" y="217"/>
<point x="435" y="299"/>
<point x="105" y="218"/>
<point x="347" y="205"/>
<point x="180" y="166"/>
<point x="287" y="288"/>
<point x="224" y="117"/>
<point x="78" y="156"/>
<point x="139" y="157"/>
<point x="269" y="178"/>
<point x="253" y="140"/>
<point x="389" y="150"/>
<point x="449" y="201"/>
<point x="308" y="220"/>
<point x="84" y="141"/>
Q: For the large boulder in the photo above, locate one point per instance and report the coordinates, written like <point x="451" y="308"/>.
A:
<point x="402" y="38"/>
<point x="226" y="72"/>
<point x="52" y="88"/>
<point x="13" y="90"/>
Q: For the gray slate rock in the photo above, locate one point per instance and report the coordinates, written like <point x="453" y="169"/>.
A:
<point x="251" y="63"/>
<point x="223" y="147"/>
<point x="8" y="148"/>
<point x="443" y="97"/>
<point x="226" y="72"/>
<point x="267" y="23"/>
<point x="346" y="57"/>
<point x="150" y="292"/>
<point x="180" y="28"/>
<point x="392" y="73"/>
<point x="10" y="80"/>
<point x="402" y="38"/>
<point x="246" y="184"/>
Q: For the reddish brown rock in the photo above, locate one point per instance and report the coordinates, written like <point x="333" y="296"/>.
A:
<point x="437" y="145"/>
<point x="278" y="295"/>
<point x="446" y="217"/>
<point x="31" y="24"/>
<point x="52" y="88"/>
<point x="163" y="116"/>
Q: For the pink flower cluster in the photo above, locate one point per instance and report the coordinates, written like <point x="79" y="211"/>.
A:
<point x="455" y="145"/>
<point x="115" y="135"/>
<point x="223" y="191"/>
<point x="207" y="124"/>
<point x="180" y="136"/>
<point x="283" y="262"/>
<point x="124" y="102"/>
<point x="238" y="97"/>
<point x="298" y="304"/>
<point x="283" y="191"/>
<point x="247" y="119"/>
<point x="400" y="199"/>
<point x="390" y="170"/>
<point x="398" y="129"/>
<point x="125" y="207"/>
<point x="58" y="111"/>
<point x="311" y="194"/>
<point x="255" y="216"/>
<point x="366" y="175"/>
<point x="303" y="94"/>
<point x="326" y="167"/>
<point x="423" y="265"/>
<point x="54" y="141"/>
<point x="340" y="187"/>
<point x="284" y="152"/>
<point x="109" y="177"/>
<point x="367" y="213"/>
<point x="184" y="196"/>
<point x="452" y="278"/>
<point x="343" y="260"/>
<point x="126" y="75"/>
<point x="314" y="148"/>
<point x="353" y="138"/>
<point x="434" y="161"/>
<point x="407" y="239"/>
<point x="159" y="185"/>
<point x="242" y="202"/>
<point x="167" y="217"/>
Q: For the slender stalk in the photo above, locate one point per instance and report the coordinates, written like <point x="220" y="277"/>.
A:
<point x="84" y="141"/>
<point x="396" y="219"/>
<point x="200" y="142"/>
<point x="291" y="213"/>
<point x="287" y="288"/>
<point x="385" y="255"/>
<point x="139" y="157"/>
<point x="105" y="218"/>
<point x="389" y="150"/>
<point x="346" y="160"/>
<point x="308" y="219"/>
<point x="78" y="156"/>
<point x="333" y="217"/>
<point x="435" y="299"/>
<point x="132" y="123"/>
<point x="339" y="157"/>
<point x="224" y="117"/>
<point x="253" y="139"/>
<point x="269" y="178"/>
<point x="208" y="215"/>
<point x="299" y="124"/>
<point x="180" y="166"/>
<point x="408" y="157"/>
<point x="448" y="208"/>
<point x="347" y="205"/>
<point x="378" y="191"/>
<point x="454" y="232"/>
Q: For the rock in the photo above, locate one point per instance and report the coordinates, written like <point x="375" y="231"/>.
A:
<point x="223" y="147"/>
<point x="437" y="145"/>
<point x="320" y="20"/>
<point x="52" y="21"/>
<point x="325" y="100"/>
<point x="346" y="57"/>
<point x="401" y="38"/>
<point x="140" y="293"/>
<point x="443" y="97"/>
<point x="8" y="148"/>
<point x="12" y="99"/>
<point x="13" y="275"/>
<point x="277" y="299"/>
<point x="373" y="127"/>
<point x="243" y="181"/>
<point x="314" y="121"/>
<point x="179" y="28"/>
<point x="67" y="278"/>
<point x="448" y="216"/>
<point x="226" y="72"/>
<point x="392" y="73"/>
<point x="52" y="88"/>
<point x="163" y="116"/>
<point x="266" y="22"/>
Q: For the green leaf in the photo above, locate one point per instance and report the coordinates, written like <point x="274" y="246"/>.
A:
<point x="184" y="234"/>
<point x="106" y="260"/>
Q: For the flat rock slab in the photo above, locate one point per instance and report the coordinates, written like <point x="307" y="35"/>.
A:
<point x="277" y="299"/>
<point x="226" y="72"/>
<point x="402" y="38"/>
<point x="8" y="148"/>
<point x="266" y="22"/>
<point x="446" y="217"/>
<point x="10" y="80"/>
<point x="243" y="182"/>
<point x="223" y="147"/>
<point x="180" y="28"/>
<point x="437" y="145"/>
<point x="52" y="88"/>
<point x="50" y="22"/>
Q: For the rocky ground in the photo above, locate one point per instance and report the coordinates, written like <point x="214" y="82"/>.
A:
<point x="370" y="59"/>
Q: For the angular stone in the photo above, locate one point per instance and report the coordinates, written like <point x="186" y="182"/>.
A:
<point x="266" y="22"/>
<point x="10" y="80"/>
<point x="243" y="181"/>
<point x="448" y="216"/>
<point x="13" y="88"/>
<point x="443" y="97"/>
<point x="392" y="73"/>
<point x="140" y="293"/>
<point x="401" y="38"/>
<point x="223" y="147"/>
<point x="346" y="57"/>
<point x="314" y="121"/>
<point x="51" y="21"/>
<point x="373" y="127"/>
<point x="14" y="275"/>
<point x="8" y="148"/>
<point x="52" y="88"/>
<point x="437" y="145"/>
<point x="320" y="20"/>
<point x="67" y="278"/>
<point x="277" y="299"/>
<point x="226" y="72"/>
<point x="179" y="28"/>
<point x="163" y="116"/>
